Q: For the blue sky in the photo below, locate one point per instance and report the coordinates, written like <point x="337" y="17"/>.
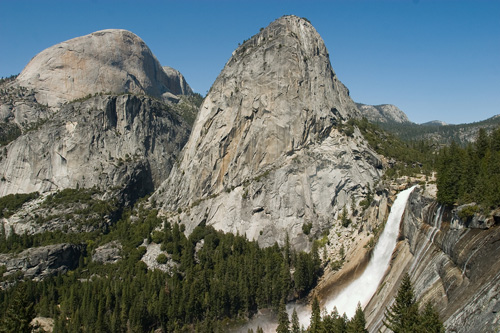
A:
<point x="433" y="59"/>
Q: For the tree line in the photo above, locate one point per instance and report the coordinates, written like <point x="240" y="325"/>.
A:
<point x="215" y="278"/>
<point x="471" y="173"/>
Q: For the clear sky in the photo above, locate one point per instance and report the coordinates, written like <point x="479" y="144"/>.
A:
<point x="432" y="59"/>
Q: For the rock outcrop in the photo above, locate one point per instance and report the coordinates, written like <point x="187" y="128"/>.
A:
<point x="109" y="253"/>
<point x="176" y="82"/>
<point x="111" y="60"/>
<point x="452" y="264"/>
<point x="385" y="113"/>
<point x="268" y="152"/>
<point x="41" y="262"/>
<point x="108" y="141"/>
<point x="97" y="110"/>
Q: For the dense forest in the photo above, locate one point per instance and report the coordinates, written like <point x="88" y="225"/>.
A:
<point x="465" y="173"/>
<point x="213" y="279"/>
<point x="471" y="173"/>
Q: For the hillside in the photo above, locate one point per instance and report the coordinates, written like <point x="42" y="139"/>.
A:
<point x="128" y="203"/>
<point x="440" y="133"/>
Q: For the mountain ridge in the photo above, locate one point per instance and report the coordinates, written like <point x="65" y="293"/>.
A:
<point x="277" y="154"/>
<point x="276" y="104"/>
<point x="111" y="60"/>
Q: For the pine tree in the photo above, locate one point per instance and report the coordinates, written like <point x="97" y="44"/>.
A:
<point x="295" y="322"/>
<point x="403" y="316"/>
<point x="358" y="322"/>
<point x="285" y="279"/>
<point x="315" y="325"/>
<point x="283" y="322"/>
<point x="341" y="323"/>
<point x="430" y="322"/>
<point x="20" y="313"/>
<point x="328" y="322"/>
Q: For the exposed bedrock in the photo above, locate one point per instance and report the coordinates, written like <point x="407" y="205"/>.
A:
<point x="267" y="152"/>
<point x="452" y="264"/>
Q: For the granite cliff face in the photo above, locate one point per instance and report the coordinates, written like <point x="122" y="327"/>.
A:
<point x="452" y="263"/>
<point x="176" y="82"/>
<point x="111" y="60"/>
<point x="97" y="110"/>
<point x="106" y="141"/>
<point x="267" y="152"/>
<point x="41" y="262"/>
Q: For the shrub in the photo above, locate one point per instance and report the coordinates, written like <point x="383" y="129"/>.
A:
<point x="336" y="265"/>
<point x="162" y="259"/>
<point x="12" y="202"/>
<point x="306" y="228"/>
<point x="467" y="212"/>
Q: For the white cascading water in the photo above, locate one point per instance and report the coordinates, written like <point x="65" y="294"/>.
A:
<point x="362" y="289"/>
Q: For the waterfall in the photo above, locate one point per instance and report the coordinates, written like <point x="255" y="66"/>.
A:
<point x="362" y="289"/>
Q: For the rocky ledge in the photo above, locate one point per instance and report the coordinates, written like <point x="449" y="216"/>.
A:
<point x="40" y="262"/>
<point x="452" y="263"/>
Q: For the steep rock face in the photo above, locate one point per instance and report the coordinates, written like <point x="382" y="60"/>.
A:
<point x="385" y="113"/>
<point x="41" y="262"/>
<point x="19" y="110"/>
<point x="105" y="141"/>
<point x="105" y="61"/>
<point x="267" y="153"/>
<point x="454" y="266"/>
<point x="176" y="81"/>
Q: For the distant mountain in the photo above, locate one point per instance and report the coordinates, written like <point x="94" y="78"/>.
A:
<point x="384" y="113"/>
<point x="392" y="119"/>
<point x="440" y="132"/>
<point x="434" y="123"/>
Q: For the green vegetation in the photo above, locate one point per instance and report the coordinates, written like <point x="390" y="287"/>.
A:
<point x="19" y="311"/>
<point x="344" y="220"/>
<point x="78" y="212"/>
<point x="403" y="316"/>
<point x="70" y="196"/>
<point x="8" y="79"/>
<point x="188" y="107"/>
<point x="306" y="228"/>
<point x="226" y="277"/>
<point x="9" y="204"/>
<point x="470" y="174"/>
<point x="438" y="134"/>
<point x="331" y="322"/>
<point x="406" y="158"/>
<point x="8" y="132"/>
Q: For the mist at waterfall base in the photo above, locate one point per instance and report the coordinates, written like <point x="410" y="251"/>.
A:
<point x="360" y="290"/>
